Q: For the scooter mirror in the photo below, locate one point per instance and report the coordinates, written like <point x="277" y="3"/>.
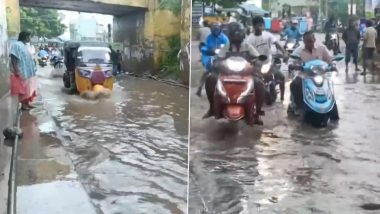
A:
<point x="338" y="57"/>
<point x="294" y="56"/>
<point x="262" y="58"/>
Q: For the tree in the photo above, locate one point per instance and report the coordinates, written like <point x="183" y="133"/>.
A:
<point x="224" y="3"/>
<point x="41" y="22"/>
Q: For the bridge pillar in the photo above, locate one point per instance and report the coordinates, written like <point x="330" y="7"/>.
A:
<point x="144" y="35"/>
<point x="4" y="58"/>
<point x="13" y="17"/>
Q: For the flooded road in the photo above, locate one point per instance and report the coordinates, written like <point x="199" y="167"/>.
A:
<point x="285" y="166"/>
<point x="129" y="151"/>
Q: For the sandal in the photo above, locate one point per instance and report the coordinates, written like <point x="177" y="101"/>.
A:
<point x="30" y="106"/>
<point x="25" y="108"/>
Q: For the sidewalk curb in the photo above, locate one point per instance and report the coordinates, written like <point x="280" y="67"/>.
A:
<point x="8" y="93"/>
<point x="12" y="187"/>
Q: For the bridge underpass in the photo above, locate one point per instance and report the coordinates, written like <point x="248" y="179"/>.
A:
<point x="140" y="26"/>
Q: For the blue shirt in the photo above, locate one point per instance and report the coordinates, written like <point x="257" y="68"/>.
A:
<point x="292" y="34"/>
<point x="43" y="53"/>
<point x="212" y="43"/>
<point x="25" y="61"/>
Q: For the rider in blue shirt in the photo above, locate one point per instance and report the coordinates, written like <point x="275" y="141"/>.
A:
<point x="43" y="53"/>
<point x="214" y="41"/>
<point x="293" y="32"/>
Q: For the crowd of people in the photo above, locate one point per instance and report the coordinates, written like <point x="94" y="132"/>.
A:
<point x="352" y="38"/>
<point x="236" y="39"/>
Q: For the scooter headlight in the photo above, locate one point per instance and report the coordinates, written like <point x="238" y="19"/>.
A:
<point x="289" y="46"/>
<point x="85" y="73"/>
<point x="243" y="96"/>
<point x="217" y="51"/>
<point x="222" y="91"/>
<point x="334" y="36"/>
<point x="235" y="65"/>
<point x="265" y="68"/>
<point x="318" y="79"/>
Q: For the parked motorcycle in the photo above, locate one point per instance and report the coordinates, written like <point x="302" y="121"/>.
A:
<point x="291" y="45"/>
<point x="268" y="70"/>
<point x="42" y="61"/>
<point x="57" y="62"/>
<point x="333" y="42"/>
<point x="319" y="104"/>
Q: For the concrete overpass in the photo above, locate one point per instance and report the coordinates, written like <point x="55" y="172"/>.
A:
<point x="140" y="25"/>
<point x="113" y="7"/>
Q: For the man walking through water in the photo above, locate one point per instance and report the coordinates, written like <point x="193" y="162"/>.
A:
<point x="369" y="46"/>
<point x="115" y="61"/>
<point x="351" y="37"/>
<point x="22" y="65"/>
<point x="119" y="60"/>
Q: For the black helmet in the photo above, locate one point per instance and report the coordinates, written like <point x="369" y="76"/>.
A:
<point x="236" y="32"/>
<point x="216" y="29"/>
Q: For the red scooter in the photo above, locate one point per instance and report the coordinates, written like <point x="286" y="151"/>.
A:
<point x="234" y="94"/>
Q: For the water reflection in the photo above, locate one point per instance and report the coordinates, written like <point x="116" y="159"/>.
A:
<point x="130" y="150"/>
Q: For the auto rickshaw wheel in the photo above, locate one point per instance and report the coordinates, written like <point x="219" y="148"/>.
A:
<point x="66" y="80"/>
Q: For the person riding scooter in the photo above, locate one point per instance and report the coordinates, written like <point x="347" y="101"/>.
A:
<point x="330" y="27"/>
<point x="292" y="33"/>
<point x="42" y="57"/>
<point x="214" y="41"/>
<point x="236" y="36"/>
<point x="262" y="41"/>
<point x="42" y="53"/>
<point x="310" y="51"/>
<point x="332" y="37"/>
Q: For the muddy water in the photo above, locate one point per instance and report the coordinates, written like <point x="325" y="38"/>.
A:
<point x="130" y="151"/>
<point x="287" y="166"/>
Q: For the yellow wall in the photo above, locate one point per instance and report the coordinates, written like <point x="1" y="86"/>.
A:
<point x="168" y="25"/>
<point x="13" y="17"/>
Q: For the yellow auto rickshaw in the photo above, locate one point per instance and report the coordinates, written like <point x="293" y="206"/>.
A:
<point x="89" y="66"/>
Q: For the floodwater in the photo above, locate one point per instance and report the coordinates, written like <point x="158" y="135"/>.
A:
<point x="286" y="166"/>
<point x="129" y="151"/>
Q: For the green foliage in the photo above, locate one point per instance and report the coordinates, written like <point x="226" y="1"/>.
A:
<point x="225" y="3"/>
<point x="172" y="5"/>
<point x="41" y="22"/>
<point x="170" y="62"/>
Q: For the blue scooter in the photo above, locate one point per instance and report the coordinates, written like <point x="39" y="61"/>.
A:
<point x="319" y="104"/>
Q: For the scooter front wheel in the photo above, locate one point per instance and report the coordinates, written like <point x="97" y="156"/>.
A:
<point x="334" y="113"/>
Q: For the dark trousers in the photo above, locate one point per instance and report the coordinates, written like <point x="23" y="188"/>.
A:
<point x="296" y="90"/>
<point x="368" y="53"/>
<point x="280" y="78"/>
<point x="119" y="67"/>
<point x="368" y="57"/>
<point x="260" y="93"/>
<point x="352" y="50"/>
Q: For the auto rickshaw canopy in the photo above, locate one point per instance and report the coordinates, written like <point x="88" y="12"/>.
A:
<point x="71" y="49"/>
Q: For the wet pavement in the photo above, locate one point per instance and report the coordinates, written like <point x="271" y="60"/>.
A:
<point x="8" y="116"/>
<point x="128" y="152"/>
<point x="286" y="166"/>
